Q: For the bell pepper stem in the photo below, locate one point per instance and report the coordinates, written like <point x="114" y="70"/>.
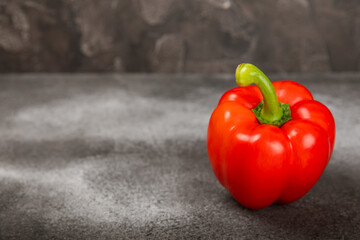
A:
<point x="247" y="74"/>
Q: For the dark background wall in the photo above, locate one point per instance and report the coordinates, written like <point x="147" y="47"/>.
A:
<point x="179" y="36"/>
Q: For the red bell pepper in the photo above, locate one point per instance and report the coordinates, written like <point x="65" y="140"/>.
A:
<point x="263" y="151"/>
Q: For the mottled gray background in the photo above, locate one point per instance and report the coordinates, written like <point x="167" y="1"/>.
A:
<point x="179" y="36"/>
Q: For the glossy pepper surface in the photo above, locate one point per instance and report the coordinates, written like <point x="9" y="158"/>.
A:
<point x="270" y="142"/>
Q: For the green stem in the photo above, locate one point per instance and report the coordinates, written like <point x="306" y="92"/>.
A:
<point x="247" y="74"/>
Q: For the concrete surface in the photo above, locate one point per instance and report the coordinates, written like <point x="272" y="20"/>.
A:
<point x="124" y="157"/>
<point x="199" y="36"/>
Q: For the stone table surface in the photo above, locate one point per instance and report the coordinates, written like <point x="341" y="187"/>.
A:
<point x="105" y="156"/>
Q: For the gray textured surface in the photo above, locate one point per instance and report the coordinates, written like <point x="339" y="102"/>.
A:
<point x="179" y="36"/>
<point x="124" y="156"/>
